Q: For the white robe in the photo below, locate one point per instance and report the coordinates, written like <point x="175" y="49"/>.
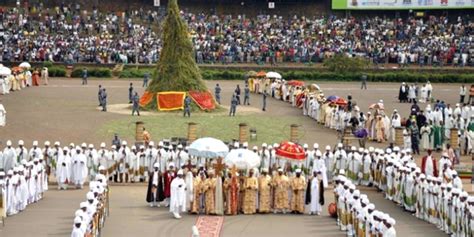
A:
<point x="3" y="116"/>
<point x="79" y="168"/>
<point x="178" y="195"/>
<point x="390" y="233"/>
<point x="9" y="158"/>
<point x="314" y="205"/>
<point x="63" y="168"/>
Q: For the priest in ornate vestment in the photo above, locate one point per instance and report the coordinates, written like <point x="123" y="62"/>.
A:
<point x="197" y="191"/>
<point x="250" y="194"/>
<point x="210" y="193"/>
<point x="231" y="192"/>
<point x="298" y="185"/>
<point x="281" y="184"/>
<point x="265" y="192"/>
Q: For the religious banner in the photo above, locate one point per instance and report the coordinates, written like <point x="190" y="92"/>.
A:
<point x="204" y="100"/>
<point x="146" y="98"/>
<point x="170" y="100"/>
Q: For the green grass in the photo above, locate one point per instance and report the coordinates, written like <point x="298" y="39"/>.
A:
<point x="219" y="125"/>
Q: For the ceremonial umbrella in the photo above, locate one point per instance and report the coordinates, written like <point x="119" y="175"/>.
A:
<point x="332" y="98"/>
<point x="295" y="83"/>
<point x="208" y="147"/>
<point x="340" y="101"/>
<point x="242" y="159"/>
<point x="25" y="65"/>
<point x="261" y="74"/>
<point x="4" y="71"/>
<point x="251" y="74"/>
<point x="273" y="75"/>
<point x="291" y="151"/>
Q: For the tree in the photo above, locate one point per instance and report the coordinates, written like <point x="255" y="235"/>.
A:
<point x="176" y="69"/>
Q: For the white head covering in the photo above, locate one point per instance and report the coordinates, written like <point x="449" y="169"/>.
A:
<point x="77" y="220"/>
<point x="180" y="172"/>
<point x="316" y="146"/>
<point x="328" y="147"/>
<point x="35" y="143"/>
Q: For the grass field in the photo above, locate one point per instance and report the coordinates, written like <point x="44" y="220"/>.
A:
<point x="270" y="129"/>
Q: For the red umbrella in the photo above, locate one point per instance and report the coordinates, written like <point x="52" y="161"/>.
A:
<point x="295" y="83"/>
<point x="290" y="150"/>
<point x="341" y="102"/>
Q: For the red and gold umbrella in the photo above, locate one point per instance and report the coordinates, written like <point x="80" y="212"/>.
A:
<point x="291" y="151"/>
<point x="261" y="74"/>
<point x="296" y="83"/>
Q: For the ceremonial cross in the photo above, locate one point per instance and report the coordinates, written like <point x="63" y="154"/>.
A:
<point x="219" y="166"/>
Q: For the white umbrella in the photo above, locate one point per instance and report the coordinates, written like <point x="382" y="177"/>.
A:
<point x="4" y="71"/>
<point x="25" y="65"/>
<point x="275" y="75"/>
<point x="208" y="147"/>
<point x="242" y="159"/>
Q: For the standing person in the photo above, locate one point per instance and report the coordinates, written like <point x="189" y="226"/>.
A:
<point x="9" y="157"/>
<point x="264" y="190"/>
<point x="250" y="188"/>
<point x="45" y="75"/>
<point x="136" y="104"/>
<point x="217" y="93"/>
<point x="3" y="116"/>
<point x="130" y="93"/>
<point x="84" y="76"/>
<point x="428" y="165"/>
<point x="233" y="105"/>
<point x="237" y="93"/>
<point x="298" y="185"/>
<point x="178" y="195"/>
<point x="187" y="106"/>
<point x="264" y="96"/>
<point x="315" y="193"/>
<point x="79" y="168"/>
<point x="63" y="169"/>
<point x="462" y="93"/>
<point x="281" y="184"/>
<point x="246" y="95"/>
<point x="104" y="100"/>
<point x="99" y="95"/>
<point x="363" y="79"/>
<point x="36" y="77"/>
<point x="146" y="77"/>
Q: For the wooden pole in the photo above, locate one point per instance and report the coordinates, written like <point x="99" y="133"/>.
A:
<point x="294" y="133"/>
<point x="399" y="136"/>
<point x="243" y="133"/>
<point x="192" y="132"/>
<point x="139" y="131"/>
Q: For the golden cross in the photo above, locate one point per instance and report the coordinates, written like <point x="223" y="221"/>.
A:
<point x="219" y="166"/>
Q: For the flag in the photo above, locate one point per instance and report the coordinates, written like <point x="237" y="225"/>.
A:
<point x="146" y="98"/>
<point x="170" y="100"/>
<point x="204" y="99"/>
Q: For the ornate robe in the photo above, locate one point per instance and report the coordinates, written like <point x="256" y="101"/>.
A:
<point x="281" y="184"/>
<point x="197" y="191"/>
<point x="210" y="195"/>
<point x="298" y="186"/>
<point x="231" y="192"/>
<point x="264" y="198"/>
<point x="250" y="195"/>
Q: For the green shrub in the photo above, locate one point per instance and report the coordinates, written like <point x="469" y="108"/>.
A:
<point x="47" y="64"/>
<point x="56" y="71"/>
<point x="93" y="72"/>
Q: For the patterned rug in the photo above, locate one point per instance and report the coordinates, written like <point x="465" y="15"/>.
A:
<point x="209" y="226"/>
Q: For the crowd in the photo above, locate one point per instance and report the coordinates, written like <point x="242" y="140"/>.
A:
<point x="64" y="34"/>
<point x="23" y="78"/>
<point x="24" y="183"/>
<point x="90" y="217"/>
<point x="423" y="129"/>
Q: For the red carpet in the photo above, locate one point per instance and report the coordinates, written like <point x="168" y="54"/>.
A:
<point x="209" y="226"/>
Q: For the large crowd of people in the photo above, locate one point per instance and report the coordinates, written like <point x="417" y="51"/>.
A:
<point x="68" y="34"/>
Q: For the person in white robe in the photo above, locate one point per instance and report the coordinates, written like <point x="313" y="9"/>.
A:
<point x="395" y="123"/>
<point x="35" y="152"/>
<point x="423" y="94"/>
<point x="92" y="161"/>
<point x="366" y="163"/>
<point x="328" y="158"/>
<point x="426" y="131"/>
<point x="11" y="189"/>
<point x="151" y="157"/>
<point x="3" y="195"/>
<point x="163" y="155"/>
<point x="181" y="157"/>
<point x="189" y="180"/>
<point x="340" y="159"/>
<point x="63" y="169"/>
<point x="406" y="139"/>
<point x="133" y="165"/>
<point x="122" y="160"/>
<point x="78" y="230"/>
<point x="22" y="190"/>
<point x="21" y="151"/>
<point x="3" y="116"/>
<point x="317" y="186"/>
<point x="178" y="195"/>
<point x="265" y="157"/>
<point x="389" y="228"/>
<point x="79" y="168"/>
<point x="9" y="157"/>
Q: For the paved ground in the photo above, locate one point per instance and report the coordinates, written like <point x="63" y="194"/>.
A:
<point x="66" y="111"/>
